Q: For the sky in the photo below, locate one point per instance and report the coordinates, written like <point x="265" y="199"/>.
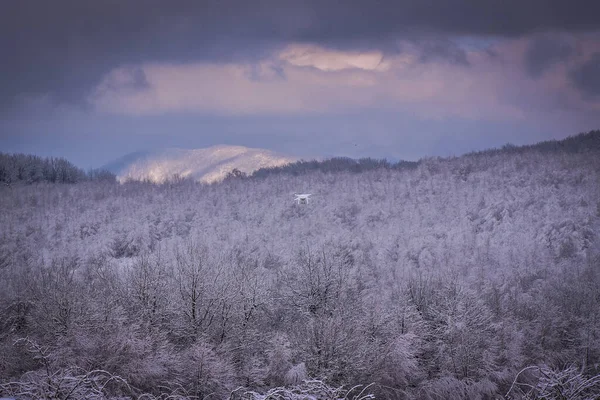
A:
<point x="94" y="80"/>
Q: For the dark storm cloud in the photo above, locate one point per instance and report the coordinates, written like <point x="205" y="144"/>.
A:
<point x="443" y="50"/>
<point x="63" y="47"/>
<point x="545" y="51"/>
<point x="586" y="77"/>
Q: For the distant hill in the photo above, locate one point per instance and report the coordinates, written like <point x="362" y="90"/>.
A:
<point x="580" y="143"/>
<point x="215" y="163"/>
<point x="207" y="165"/>
<point x="334" y="164"/>
<point x="122" y="163"/>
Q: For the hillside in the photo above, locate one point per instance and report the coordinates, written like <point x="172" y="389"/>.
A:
<point x="441" y="280"/>
<point x="204" y="165"/>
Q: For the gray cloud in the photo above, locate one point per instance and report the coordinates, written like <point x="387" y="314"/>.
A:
<point x="63" y="47"/>
<point x="586" y="77"/>
<point x="443" y="50"/>
<point x="545" y="51"/>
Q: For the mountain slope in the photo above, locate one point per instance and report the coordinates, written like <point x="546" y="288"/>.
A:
<point x="205" y="165"/>
<point x="121" y="163"/>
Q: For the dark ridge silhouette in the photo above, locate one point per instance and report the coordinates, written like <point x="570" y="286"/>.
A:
<point x="580" y="143"/>
<point x="335" y="164"/>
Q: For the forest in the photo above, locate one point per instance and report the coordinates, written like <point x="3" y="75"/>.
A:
<point x="470" y="277"/>
<point x="25" y="168"/>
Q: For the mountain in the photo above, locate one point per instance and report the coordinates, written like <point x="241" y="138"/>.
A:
<point x="121" y="163"/>
<point x="207" y="165"/>
<point x="214" y="163"/>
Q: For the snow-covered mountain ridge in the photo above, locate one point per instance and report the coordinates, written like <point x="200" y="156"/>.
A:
<point x="207" y="165"/>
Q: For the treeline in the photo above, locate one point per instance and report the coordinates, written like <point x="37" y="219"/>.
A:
<point x="580" y="143"/>
<point x="24" y="168"/>
<point x="32" y="169"/>
<point x="333" y="165"/>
